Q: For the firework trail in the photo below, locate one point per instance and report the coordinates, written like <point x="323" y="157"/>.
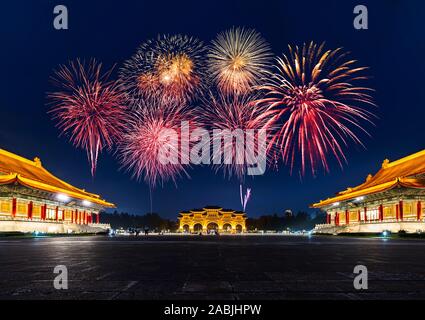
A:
<point x="151" y="146"/>
<point x="169" y="68"/>
<point x="244" y="198"/>
<point x="232" y="118"/>
<point x="88" y="107"/>
<point x="316" y="100"/>
<point x="238" y="59"/>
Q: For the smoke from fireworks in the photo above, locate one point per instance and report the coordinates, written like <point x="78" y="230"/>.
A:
<point x="88" y="107"/>
<point x="152" y="145"/>
<point x="236" y="121"/>
<point x="315" y="97"/>
<point x="238" y="59"/>
<point x="169" y="68"/>
<point x="244" y="198"/>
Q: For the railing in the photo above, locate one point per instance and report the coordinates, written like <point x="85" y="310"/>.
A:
<point x="100" y="225"/>
<point x="410" y="219"/>
<point x="10" y="218"/>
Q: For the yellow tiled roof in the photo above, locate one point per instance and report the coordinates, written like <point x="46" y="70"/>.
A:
<point x="390" y="175"/>
<point x="15" y="168"/>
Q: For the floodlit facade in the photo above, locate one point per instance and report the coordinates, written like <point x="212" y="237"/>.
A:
<point x="34" y="200"/>
<point x="212" y="218"/>
<point x="391" y="200"/>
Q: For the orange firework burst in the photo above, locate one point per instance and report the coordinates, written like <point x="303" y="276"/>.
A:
<point x="238" y="59"/>
<point x="316" y="100"/>
<point x="169" y="68"/>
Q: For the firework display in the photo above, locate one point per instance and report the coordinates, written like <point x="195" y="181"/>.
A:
<point x="244" y="197"/>
<point x="88" y="107"/>
<point x="308" y="108"/>
<point x="238" y="59"/>
<point x="317" y="102"/>
<point x="233" y="119"/>
<point x="154" y="129"/>
<point x="169" y="68"/>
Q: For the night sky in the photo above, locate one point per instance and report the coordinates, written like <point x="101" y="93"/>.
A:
<point x="393" y="47"/>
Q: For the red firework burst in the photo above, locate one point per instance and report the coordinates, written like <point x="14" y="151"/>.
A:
<point x="156" y="131"/>
<point x="88" y="107"/>
<point x="237" y="119"/>
<point x="316" y="101"/>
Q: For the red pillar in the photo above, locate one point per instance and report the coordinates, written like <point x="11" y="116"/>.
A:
<point x="328" y="218"/>
<point x="401" y="210"/>
<point x="43" y="212"/>
<point x="359" y="217"/>
<point x="419" y="210"/>
<point x="336" y="218"/>
<point x="397" y="213"/>
<point x="30" y="210"/>
<point x="381" y="212"/>
<point x="365" y="213"/>
<point x="13" y="207"/>
<point x="98" y="217"/>
<point x="347" y="217"/>
<point x="57" y="213"/>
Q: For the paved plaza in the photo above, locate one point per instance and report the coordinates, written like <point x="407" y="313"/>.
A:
<point x="211" y="267"/>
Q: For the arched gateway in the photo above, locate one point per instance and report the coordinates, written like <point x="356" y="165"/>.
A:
<point x="212" y="218"/>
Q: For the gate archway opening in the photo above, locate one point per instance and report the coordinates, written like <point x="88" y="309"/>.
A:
<point x="238" y="228"/>
<point x="197" y="227"/>
<point x="212" y="227"/>
<point x="227" y="227"/>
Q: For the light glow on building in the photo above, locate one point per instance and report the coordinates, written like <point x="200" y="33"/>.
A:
<point x="30" y="197"/>
<point x="212" y="218"/>
<point x="391" y="200"/>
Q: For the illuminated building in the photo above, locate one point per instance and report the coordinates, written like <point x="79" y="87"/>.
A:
<point x="391" y="200"/>
<point x="212" y="218"/>
<point x="34" y="200"/>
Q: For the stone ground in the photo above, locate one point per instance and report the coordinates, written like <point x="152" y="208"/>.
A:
<point x="208" y="267"/>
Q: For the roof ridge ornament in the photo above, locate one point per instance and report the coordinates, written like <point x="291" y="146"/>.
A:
<point x="385" y="163"/>
<point x="37" y="162"/>
<point x="369" y="177"/>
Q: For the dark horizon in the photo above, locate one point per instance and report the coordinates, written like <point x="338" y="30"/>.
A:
<point x="392" y="47"/>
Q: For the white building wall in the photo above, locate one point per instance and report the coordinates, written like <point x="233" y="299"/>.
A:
<point x="50" y="227"/>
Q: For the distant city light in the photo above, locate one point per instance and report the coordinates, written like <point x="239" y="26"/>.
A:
<point x="86" y="203"/>
<point x="62" y="197"/>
